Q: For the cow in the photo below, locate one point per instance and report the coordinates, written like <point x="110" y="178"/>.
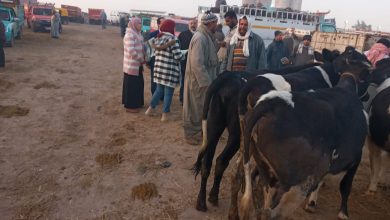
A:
<point x="221" y="111"/>
<point x="300" y="137"/>
<point x="378" y="139"/>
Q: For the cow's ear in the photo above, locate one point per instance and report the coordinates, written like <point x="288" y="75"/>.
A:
<point x="327" y="55"/>
<point x="318" y="56"/>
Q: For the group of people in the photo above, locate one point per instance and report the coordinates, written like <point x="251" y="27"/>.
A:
<point x="195" y="58"/>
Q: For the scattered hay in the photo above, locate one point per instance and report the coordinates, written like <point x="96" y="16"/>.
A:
<point x="35" y="209"/>
<point x="46" y="85"/>
<point x="145" y="191"/>
<point x="86" y="182"/>
<point x="11" y="111"/>
<point x="109" y="160"/>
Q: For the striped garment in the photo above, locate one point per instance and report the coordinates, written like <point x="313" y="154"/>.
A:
<point x="239" y="60"/>
<point x="133" y="55"/>
<point x="167" y="62"/>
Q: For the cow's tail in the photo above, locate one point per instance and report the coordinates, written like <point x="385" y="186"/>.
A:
<point x="258" y="112"/>
<point x="212" y="90"/>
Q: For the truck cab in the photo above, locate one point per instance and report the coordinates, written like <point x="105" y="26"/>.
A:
<point x="13" y="22"/>
<point x="39" y="17"/>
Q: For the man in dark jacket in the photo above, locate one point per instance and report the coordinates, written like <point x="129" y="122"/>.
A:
<point x="185" y="39"/>
<point x="2" y="43"/>
<point x="277" y="53"/>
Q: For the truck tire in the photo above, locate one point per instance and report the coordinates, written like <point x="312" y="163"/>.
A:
<point x="20" y="33"/>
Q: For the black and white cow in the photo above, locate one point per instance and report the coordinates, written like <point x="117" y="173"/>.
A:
<point x="378" y="139"/>
<point x="221" y="111"/>
<point x="300" y="137"/>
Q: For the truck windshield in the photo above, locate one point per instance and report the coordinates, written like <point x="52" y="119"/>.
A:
<point x="4" y="15"/>
<point x="42" y="11"/>
<point x="328" y="28"/>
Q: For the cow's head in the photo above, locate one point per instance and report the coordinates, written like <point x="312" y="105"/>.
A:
<point x="326" y="55"/>
<point x="356" y="64"/>
<point x="381" y="72"/>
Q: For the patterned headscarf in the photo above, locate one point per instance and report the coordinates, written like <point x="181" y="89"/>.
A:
<point x="133" y="21"/>
<point x="208" y="17"/>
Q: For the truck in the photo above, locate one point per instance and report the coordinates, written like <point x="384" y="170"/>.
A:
<point x="74" y="13"/>
<point x="94" y="15"/>
<point x="64" y="15"/>
<point x="39" y="16"/>
<point x="362" y="41"/>
<point x="266" y="20"/>
<point x="12" y="16"/>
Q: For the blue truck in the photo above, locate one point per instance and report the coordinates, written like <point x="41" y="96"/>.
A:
<point x="12" y="16"/>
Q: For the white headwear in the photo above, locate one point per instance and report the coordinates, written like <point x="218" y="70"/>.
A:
<point x="237" y="36"/>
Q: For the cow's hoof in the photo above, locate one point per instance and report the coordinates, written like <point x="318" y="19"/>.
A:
<point x="311" y="207"/>
<point x="342" y="216"/>
<point x="213" y="200"/>
<point x="201" y="206"/>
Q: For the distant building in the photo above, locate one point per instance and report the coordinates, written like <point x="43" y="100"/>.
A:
<point x="293" y="4"/>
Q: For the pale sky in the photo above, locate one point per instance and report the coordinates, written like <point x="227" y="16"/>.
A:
<point x="373" y="12"/>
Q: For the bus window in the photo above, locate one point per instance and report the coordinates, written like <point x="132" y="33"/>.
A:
<point x="299" y="17"/>
<point x="274" y="14"/>
<point x="253" y="12"/>
<point x="304" y="17"/>
<point x="264" y="13"/>
<point x="289" y="16"/>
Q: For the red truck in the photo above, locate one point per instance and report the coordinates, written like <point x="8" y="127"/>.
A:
<point x="39" y="16"/>
<point x="74" y="13"/>
<point x="94" y="15"/>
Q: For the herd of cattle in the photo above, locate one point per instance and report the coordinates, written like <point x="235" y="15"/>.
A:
<point x="299" y="124"/>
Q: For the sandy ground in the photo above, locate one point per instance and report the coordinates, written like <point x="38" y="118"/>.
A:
<point x="68" y="150"/>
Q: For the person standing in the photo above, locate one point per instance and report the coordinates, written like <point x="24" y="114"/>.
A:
<point x="202" y="69"/>
<point x="231" y="21"/>
<point x="2" y="43"/>
<point x="277" y="53"/>
<point x="291" y="41"/>
<point x="303" y="53"/>
<point x="123" y="21"/>
<point x="185" y="39"/>
<point x="151" y="37"/>
<point x="55" y="25"/>
<point x="103" y="19"/>
<point x="166" y="69"/>
<point x="133" y="59"/>
<point x="246" y="50"/>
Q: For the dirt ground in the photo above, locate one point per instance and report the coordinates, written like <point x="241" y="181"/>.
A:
<point x="68" y="150"/>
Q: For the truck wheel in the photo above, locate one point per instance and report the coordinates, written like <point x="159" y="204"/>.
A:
<point x="20" y="33"/>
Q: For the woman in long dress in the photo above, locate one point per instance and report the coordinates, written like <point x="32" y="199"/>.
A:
<point x="133" y="60"/>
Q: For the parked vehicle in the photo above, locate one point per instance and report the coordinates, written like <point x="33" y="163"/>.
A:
<point x="338" y="41"/>
<point x="39" y="16"/>
<point x="12" y="16"/>
<point x="265" y="21"/>
<point x="74" y="13"/>
<point x="94" y="15"/>
<point x="64" y="15"/>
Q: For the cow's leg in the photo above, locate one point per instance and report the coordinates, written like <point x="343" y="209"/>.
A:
<point x="345" y="190"/>
<point x="236" y="182"/>
<point x="312" y="202"/>
<point x="375" y="164"/>
<point x="214" y="132"/>
<point x="222" y="162"/>
<point x="383" y="179"/>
